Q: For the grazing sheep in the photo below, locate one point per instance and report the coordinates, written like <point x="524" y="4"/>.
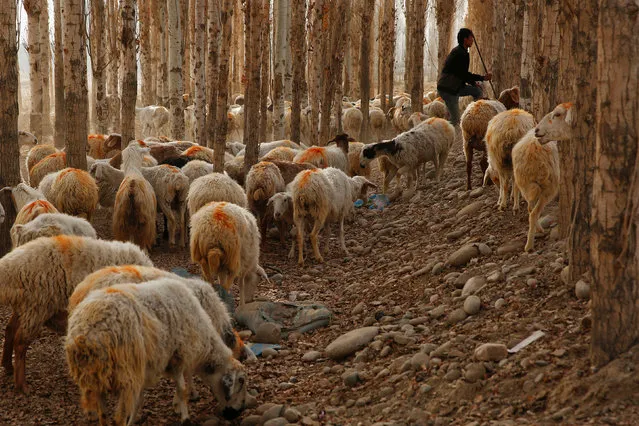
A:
<point x="153" y="120"/>
<point x="235" y="169"/>
<point x="416" y="118"/>
<point x="124" y="338"/>
<point x="490" y="177"/>
<point x="323" y="195"/>
<point x="327" y="156"/>
<point x="103" y="146"/>
<point x="281" y="206"/>
<point x="262" y="182"/>
<point x="281" y="153"/>
<point x="503" y="132"/>
<point x="50" y="225"/>
<point x="536" y="164"/>
<point x="203" y="291"/>
<point x="49" y="164"/>
<point x="37" y="153"/>
<point x="225" y="242"/>
<point x="510" y="97"/>
<point x="399" y="115"/>
<point x="436" y="109"/>
<point x="214" y="187"/>
<point x="200" y="153"/>
<point x="197" y="168"/>
<point x="134" y="213"/>
<point x="37" y="280"/>
<point x="29" y="203"/>
<point x="23" y="194"/>
<point x="108" y="180"/>
<point x="266" y="147"/>
<point x="429" y="141"/>
<point x="165" y="152"/>
<point x="74" y="192"/>
<point x="474" y="122"/>
<point x="234" y="147"/>
<point x="377" y="123"/>
<point x="148" y="161"/>
<point x="289" y="169"/>
<point x="354" y="166"/>
<point x="352" y="119"/>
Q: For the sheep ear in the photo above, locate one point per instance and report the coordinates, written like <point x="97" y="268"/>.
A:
<point x="52" y="230"/>
<point x="350" y="139"/>
<point x="369" y="184"/>
<point x="17" y="229"/>
<point x="569" y="116"/>
<point x="227" y="385"/>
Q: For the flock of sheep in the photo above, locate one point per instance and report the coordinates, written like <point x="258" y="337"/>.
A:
<point x="127" y="323"/>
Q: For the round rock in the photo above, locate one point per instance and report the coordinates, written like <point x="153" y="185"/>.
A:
<point x="582" y="290"/>
<point x="491" y="352"/>
<point x="475" y="371"/>
<point x="268" y="333"/>
<point x="351" y="342"/>
<point x="311" y="356"/>
<point x="472" y="304"/>
<point x="472" y="285"/>
<point x="463" y="255"/>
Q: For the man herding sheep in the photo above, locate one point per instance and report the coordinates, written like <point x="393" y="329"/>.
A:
<point x="455" y="80"/>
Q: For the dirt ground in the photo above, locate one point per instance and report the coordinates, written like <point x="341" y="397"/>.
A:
<point x="392" y="279"/>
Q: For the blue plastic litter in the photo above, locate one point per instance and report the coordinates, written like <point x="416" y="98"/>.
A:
<point x="258" y="348"/>
<point x="378" y="201"/>
<point x="226" y="296"/>
<point x="359" y="203"/>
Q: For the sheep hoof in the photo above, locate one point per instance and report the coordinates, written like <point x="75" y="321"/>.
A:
<point x="529" y="247"/>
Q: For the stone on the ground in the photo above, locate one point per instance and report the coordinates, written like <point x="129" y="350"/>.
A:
<point x="477" y="192"/>
<point x="461" y="279"/>
<point x="292" y="415"/>
<point x="350" y="378"/>
<point x="484" y="249"/>
<point x="470" y="209"/>
<point x="582" y="290"/>
<point x="359" y="308"/>
<point x="472" y="304"/>
<point x="269" y="352"/>
<point x="437" y="312"/>
<point x="311" y="356"/>
<point x="456" y="316"/>
<point x="273" y="412"/>
<point x="495" y="277"/>
<point x="510" y="247"/>
<point x="475" y="371"/>
<point x="351" y="342"/>
<point x="463" y="255"/>
<point x="268" y="333"/>
<point x="491" y="352"/>
<point x="419" y="361"/>
<point x="277" y="278"/>
<point x="473" y="285"/>
<point x="278" y="421"/>
<point x="499" y="303"/>
<point x="245" y="334"/>
<point x="438" y="268"/>
<point x="253" y="420"/>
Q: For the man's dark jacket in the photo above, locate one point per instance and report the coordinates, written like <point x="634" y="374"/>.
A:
<point x="455" y="73"/>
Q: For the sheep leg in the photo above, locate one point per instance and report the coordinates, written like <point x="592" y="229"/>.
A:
<point x="9" y="336"/>
<point x="124" y="409"/>
<point x="515" y="195"/>
<point x="317" y="227"/>
<point x="193" y="393"/>
<point x="533" y="222"/>
<point x="20" y="352"/>
<point x="341" y="236"/>
<point x="137" y="403"/>
<point x="443" y="156"/>
<point x="183" y="228"/>
<point x="299" y="224"/>
<point x="388" y="177"/>
<point x="483" y="163"/>
<point x="503" y="192"/>
<point x="469" y="166"/>
<point x="179" y="401"/>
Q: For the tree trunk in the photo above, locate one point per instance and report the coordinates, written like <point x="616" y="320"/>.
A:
<point x="410" y="23"/>
<point x="187" y="19"/>
<point x="253" y="34"/>
<point x="280" y="9"/>
<point x="614" y="250"/>
<point x="75" y="80"/>
<point x="531" y="31"/>
<point x="481" y="20"/>
<point x="175" y="70"/>
<point x="238" y="50"/>
<point x="146" y="53"/>
<point x="98" y="63"/>
<point x="60" y="130"/>
<point x="265" y="60"/>
<point x="417" y="85"/>
<point x="298" y="50"/>
<point x="113" y="75"/>
<point x="162" y="88"/>
<point x="316" y="33"/>
<point x="199" y="65"/>
<point x="507" y="63"/>
<point x="45" y="51"/>
<point x="34" y="10"/>
<point x="444" y="12"/>
<point x="582" y="145"/>
<point x="221" y="121"/>
<point x="9" y="150"/>
<point x="129" y="71"/>
<point x="546" y="80"/>
<point x="364" y="73"/>
<point x="212" y="71"/>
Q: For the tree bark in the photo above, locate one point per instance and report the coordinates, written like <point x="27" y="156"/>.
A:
<point x="226" y="22"/>
<point x="481" y="20"/>
<point x="265" y="61"/>
<point x="75" y="80"/>
<point x="280" y="9"/>
<point x="187" y="19"/>
<point x="364" y="73"/>
<point x="238" y="50"/>
<point x="212" y="72"/>
<point x="417" y="84"/>
<point x="45" y="51"/>
<point x="506" y="66"/>
<point x="298" y="51"/>
<point x="146" y="53"/>
<point x="162" y="88"/>
<point x="34" y="10"/>
<point x="199" y="65"/>
<point x="317" y="32"/>
<point x="113" y="70"/>
<point x="614" y="249"/>
<point x="175" y="70"/>
<point x="9" y="150"/>
<point x="531" y="32"/>
<point x="98" y="64"/>
<point x="129" y="71"/>
<point x="410" y="23"/>
<point x="60" y="130"/>
<point x="444" y="13"/>
<point x="253" y="35"/>
<point x="546" y="75"/>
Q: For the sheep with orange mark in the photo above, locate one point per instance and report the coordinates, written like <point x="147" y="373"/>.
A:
<point x="37" y="153"/>
<point x="214" y="187"/>
<point x="135" y="208"/>
<point x="125" y="338"/>
<point x="327" y="156"/>
<point x="432" y="95"/>
<point x="266" y="147"/>
<point x="50" y="225"/>
<point x="510" y="97"/>
<point x="322" y="196"/>
<point x="37" y="280"/>
<point x="262" y="182"/>
<point x="428" y="141"/>
<point x="72" y="191"/>
<point x="49" y="164"/>
<point x="474" y="121"/>
<point x="225" y="242"/>
<point x="197" y="168"/>
<point x="436" y="108"/>
<point x="281" y="153"/>
<point x="103" y="146"/>
<point x="503" y="132"/>
<point x="289" y="170"/>
<point x="198" y="152"/>
<point x="203" y="291"/>
<point x="536" y="164"/>
<point x="29" y="203"/>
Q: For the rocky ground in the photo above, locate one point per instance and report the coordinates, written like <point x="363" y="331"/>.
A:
<point x="429" y="282"/>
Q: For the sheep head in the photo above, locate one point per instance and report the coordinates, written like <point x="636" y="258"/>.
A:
<point x="342" y="141"/>
<point x="372" y="151"/>
<point x="281" y="205"/>
<point x="227" y="380"/>
<point x="26" y="139"/>
<point x="360" y="186"/>
<point x="556" y="125"/>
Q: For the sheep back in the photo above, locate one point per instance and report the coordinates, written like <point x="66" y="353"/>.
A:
<point x="37" y="153"/>
<point x="503" y="132"/>
<point x="214" y="187"/>
<point x="49" y="164"/>
<point x="50" y="225"/>
<point x="134" y="212"/>
<point x="75" y="193"/>
<point x="262" y="182"/>
<point x="32" y="210"/>
<point x="203" y="153"/>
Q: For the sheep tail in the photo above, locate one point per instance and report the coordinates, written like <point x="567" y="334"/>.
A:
<point x="258" y="194"/>
<point x="214" y="260"/>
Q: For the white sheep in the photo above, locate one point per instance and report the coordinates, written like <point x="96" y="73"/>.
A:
<point x="536" y="165"/>
<point x="50" y="225"/>
<point x="503" y="132"/>
<point x="72" y="191"/>
<point x="377" y="123"/>
<point x="134" y="212"/>
<point x="323" y="195"/>
<point x="29" y="203"/>
<point x="327" y="156"/>
<point x="152" y="120"/>
<point x="266" y="147"/>
<point x="428" y="141"/>
<point x="474" y="122"/>
<point x="124" y="338"/>
<point x="225" y="242"/>
<point x="197" y="168"/>
<point x="262" y="182"/>
<point x="281" y="153"/>
<point x="281" y="206"/>
<point x="352" y="119"/>
<point x="49" y="164"/>
<point x="214" y="187"/>
<point x="234" y="147"/>
<point x="37" y="280"/>
<point x="37" y="153"/>
<point x="435" y="109"/>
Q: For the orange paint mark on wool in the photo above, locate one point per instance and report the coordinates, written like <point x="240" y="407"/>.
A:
<point x="171" y="168"/>
<point x="567" y="105"/>
<point x="82" y="176"/>
<point x="230" y="116"/>
<point x="193" y="150"/>
<point x="239" y="345"/>
<point x="222" y="218"/>
<point x="132" y="270"/>
<point x="96" y="136"/>
<point x="431" y="120"/>
<point x="64" y="243"/>
<point x="314" y="153"/>
<point x="111" y="290"/>
<point x="439" y="99"/>
<point x="306" y="176"/>
<point x="44" y="205"/>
